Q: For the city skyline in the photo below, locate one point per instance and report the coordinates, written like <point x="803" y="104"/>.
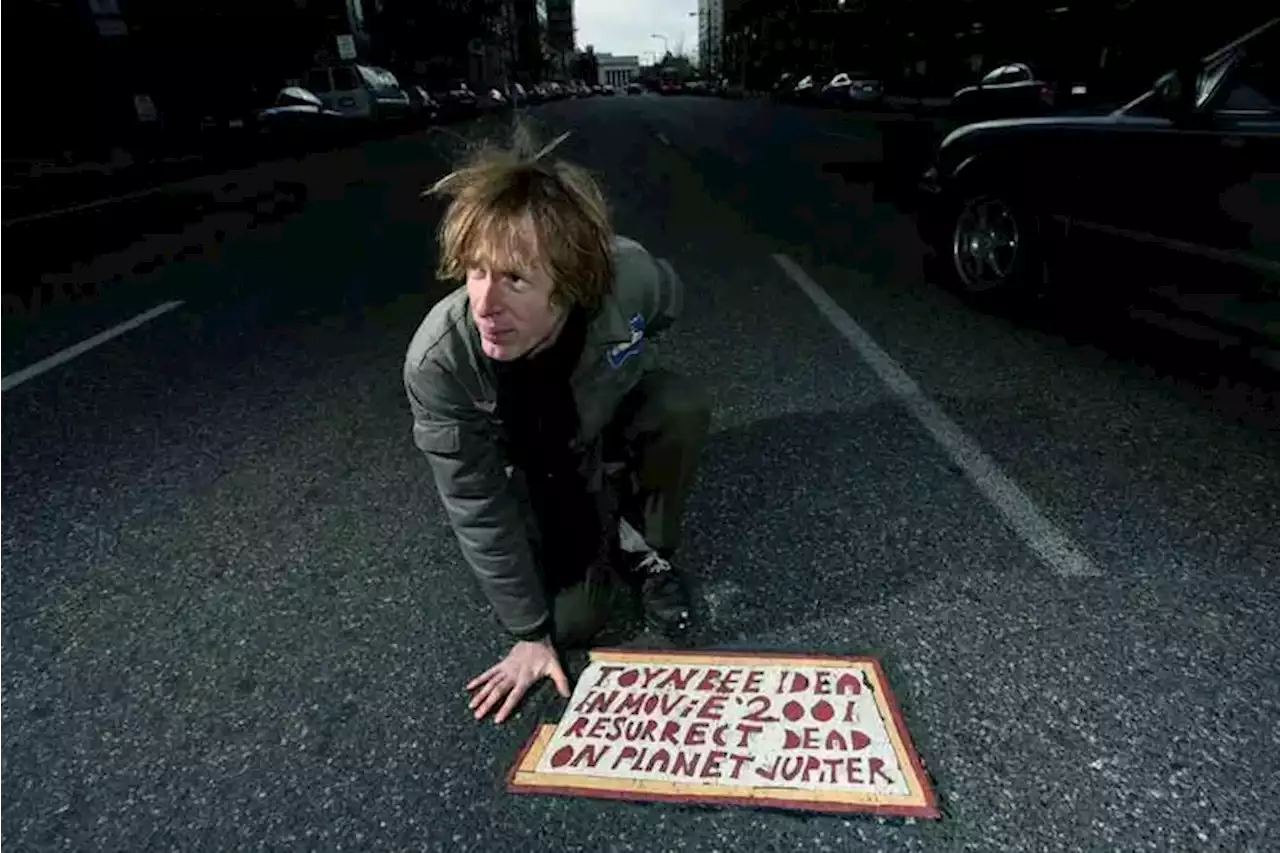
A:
<point x="610" y="26"/>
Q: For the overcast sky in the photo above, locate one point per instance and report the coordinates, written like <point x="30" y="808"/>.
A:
<point x="625" y="26"/>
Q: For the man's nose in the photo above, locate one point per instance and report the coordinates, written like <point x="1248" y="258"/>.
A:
<point x="485" y="292"/>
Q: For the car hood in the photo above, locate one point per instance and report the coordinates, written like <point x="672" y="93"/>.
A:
<point x="1040" y="125"/>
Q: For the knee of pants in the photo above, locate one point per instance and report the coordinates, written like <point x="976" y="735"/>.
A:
<point x="679" y="407"/>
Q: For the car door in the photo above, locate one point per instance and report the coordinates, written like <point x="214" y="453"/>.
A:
<point x="1143" y="192"/>
<point x="1235" y="244"/>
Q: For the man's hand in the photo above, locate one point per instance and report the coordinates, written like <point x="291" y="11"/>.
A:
<point x="511" y="678"/>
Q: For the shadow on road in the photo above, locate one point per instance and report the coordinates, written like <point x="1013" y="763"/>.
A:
<point x="806" y="517"/>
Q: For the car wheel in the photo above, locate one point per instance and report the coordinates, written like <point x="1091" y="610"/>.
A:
<point x="992" y="248"/>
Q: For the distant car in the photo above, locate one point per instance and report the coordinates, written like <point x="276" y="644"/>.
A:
<point x="863" y="91"/>
<point x="299" y="120"/>
<point x="635" y="89"/>
<point x="423" y="109"/>
<point x="1006" y="92"/>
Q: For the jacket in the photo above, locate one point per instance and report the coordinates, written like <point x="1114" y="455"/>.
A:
<point x="451" y="389"/>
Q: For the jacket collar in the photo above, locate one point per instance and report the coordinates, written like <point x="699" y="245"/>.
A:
<point x="608" y="327"/>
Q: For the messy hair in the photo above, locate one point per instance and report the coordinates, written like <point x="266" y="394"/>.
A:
<point x="513" y="207"/>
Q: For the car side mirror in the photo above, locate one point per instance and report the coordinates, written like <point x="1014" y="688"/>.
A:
<point x="1176" y="93"/>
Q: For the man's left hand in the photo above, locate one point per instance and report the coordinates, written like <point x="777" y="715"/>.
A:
<point x="525" y="665"/>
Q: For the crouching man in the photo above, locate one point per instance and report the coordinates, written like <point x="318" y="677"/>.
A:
<point x="562" y="453"/>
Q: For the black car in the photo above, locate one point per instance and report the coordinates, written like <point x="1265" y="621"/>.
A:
<point x="1005" y="92"/>
<point x="1175" y="196"/>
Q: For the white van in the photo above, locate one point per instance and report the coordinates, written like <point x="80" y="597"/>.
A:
<point x="359" y="91"/>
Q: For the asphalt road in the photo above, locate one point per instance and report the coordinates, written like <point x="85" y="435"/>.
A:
<point x="234" y="616"/>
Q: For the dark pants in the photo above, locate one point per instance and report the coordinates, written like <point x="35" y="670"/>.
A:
<point x="656" y="437"/>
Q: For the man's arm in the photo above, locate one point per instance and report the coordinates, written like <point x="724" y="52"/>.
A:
<point x="651" y="282"/>
<point x="669" y="295"/>
<point x="478" y="498"/>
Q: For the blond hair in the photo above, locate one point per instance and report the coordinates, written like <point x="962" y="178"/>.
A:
<point x="511" y="208"/>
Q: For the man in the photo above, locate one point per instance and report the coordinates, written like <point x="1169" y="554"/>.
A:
<point x="562" y="453"/>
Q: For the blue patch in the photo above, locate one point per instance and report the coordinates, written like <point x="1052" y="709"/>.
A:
<point x="619" y="354"/>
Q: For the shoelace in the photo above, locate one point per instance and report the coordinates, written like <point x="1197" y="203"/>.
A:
<point x="653" y="564"/>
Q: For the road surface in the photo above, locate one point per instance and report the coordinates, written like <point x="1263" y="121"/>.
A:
<point x="235" y="617"/>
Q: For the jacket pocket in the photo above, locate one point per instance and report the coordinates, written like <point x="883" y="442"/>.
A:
<point x="435" y="437"/>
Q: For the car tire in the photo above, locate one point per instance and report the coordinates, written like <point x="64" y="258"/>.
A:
<point x="989" y="247"/>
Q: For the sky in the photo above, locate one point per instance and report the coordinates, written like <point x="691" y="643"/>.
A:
<point x="626" y="26"/>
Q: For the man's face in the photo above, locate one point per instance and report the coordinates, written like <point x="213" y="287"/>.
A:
<point x="513" y="311"/>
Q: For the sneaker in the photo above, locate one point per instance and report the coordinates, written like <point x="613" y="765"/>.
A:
<point x="664" y="594"/>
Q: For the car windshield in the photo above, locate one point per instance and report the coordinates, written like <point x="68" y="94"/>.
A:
<point x="344" y="80"/>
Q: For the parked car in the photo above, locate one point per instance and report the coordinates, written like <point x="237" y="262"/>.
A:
<point x="456" y="100"/>
<point x="298" y="121"/>
<point x="635" y="89"/>
<point x="1005" y="92"/>
<point x="1173" y="197"/>
<point x="423" y="109"/>
<point x="359" y="91"/>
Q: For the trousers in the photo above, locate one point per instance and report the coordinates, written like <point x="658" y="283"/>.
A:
<point x="655" y="441"/>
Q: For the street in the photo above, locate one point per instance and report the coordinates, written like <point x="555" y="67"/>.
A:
<point x="235" y="616"/>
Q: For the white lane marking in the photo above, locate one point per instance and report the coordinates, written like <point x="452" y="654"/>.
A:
<point x="1045" y="538"/>
<point x="662" y="137"/>
<point x="63" y="356"/>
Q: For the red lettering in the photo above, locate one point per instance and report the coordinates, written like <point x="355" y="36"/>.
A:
<point x="874" y="766"/>
<point x="659" y="756"/>
<point x="729" y="683"/>
<point x="669" y="733"/>
<point x="697" y="735"/>
<point x="649" y="726"/>
<point x="799" y="682"/>
<point x="811" y="765"/>
<point x="599" y="702"/>
<point x="850" y="715"/>
<point x="591" y="754"/>
<point x="753" y="681"/>
<point x="605" y="672"/>
<point x="712" y="708"/>
<point x="631" y="703"/>
<point x="685" y="763"/>
<point x="678" y="680"/>
<point x="626" y="753"/>
<point x="746" y="731"/>
<point x="670" y="703"/>
<point x="711" y="767"/>
<point x="822" y="683"/>
<point x="651" y="675"/>
<point x="718" y="736"/>
<point x="849" y="683"/>
<point x="772" y="772"/>
<point x="835" y="741"/>
<point x="853" y="768"/>
<point x="738" y="761"/>
<point x="598" y="727"/>
<point x="833" y="764"/>
<point x="757" y="708"/>
<point x="576" y="727"/>
<point x="709" y="680"/>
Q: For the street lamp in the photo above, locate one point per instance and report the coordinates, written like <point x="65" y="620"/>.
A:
<point x="665" y="46"/>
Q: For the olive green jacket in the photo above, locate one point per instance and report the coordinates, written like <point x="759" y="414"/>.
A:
<point x="450" y="383"/>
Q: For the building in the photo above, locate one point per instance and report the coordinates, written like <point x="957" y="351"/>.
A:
<point x="560" y="38"/>
<point x="617" y="70"/>
<point x="711" y="37"/>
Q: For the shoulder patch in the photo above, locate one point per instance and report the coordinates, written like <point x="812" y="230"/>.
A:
<point x="620" y="353"/>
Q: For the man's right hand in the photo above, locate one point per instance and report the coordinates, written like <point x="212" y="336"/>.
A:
<point x="525" y="665"/>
